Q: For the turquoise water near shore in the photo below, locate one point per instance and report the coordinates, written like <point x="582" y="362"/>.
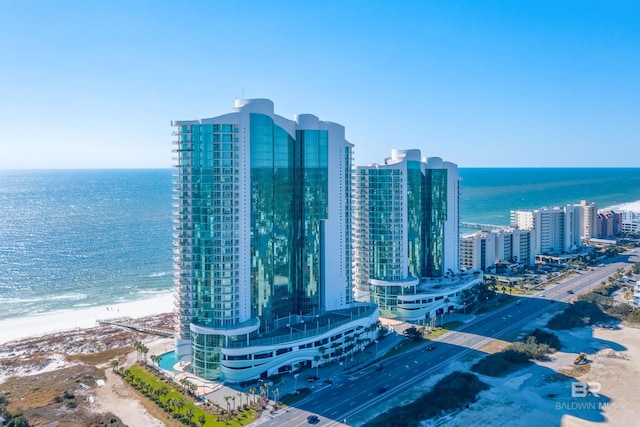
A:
<point x="487" y="195"/>
<point x="79" y="238"/>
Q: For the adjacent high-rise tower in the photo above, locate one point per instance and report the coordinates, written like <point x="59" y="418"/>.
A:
<point x="263" y="242"/>
<point x="406" y="231"/>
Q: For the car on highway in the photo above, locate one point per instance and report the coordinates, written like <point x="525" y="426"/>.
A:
<point x="313" y="419"/>
<point x="380" y="367"/>
<point x="430" y="347"/>
<point x="312" y="379"/>
<point x="382" y="389"/>
<point x="570" y="291"/>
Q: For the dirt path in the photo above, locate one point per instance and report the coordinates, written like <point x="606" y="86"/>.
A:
<point x="115" y="397"/>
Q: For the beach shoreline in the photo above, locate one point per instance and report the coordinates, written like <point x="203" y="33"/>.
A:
<point x="18" y="328"/>
<point x="630" y="206"/>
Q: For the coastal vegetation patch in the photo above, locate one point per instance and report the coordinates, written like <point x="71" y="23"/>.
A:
<point x="536" y="346"/>
<point x="598" y="306"/>
<point x="56" y="397"/>
<point x="12" y="419"/>
<point x="453" y="392"/>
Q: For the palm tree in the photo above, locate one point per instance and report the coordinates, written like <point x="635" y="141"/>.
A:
<point x="114" y="364"/>
<point x="263" y="391"/>
<point x="164" y="390"/>
<point x="189" y="414"/>
<point x="323" y="350"/>
<point x="179" y="404"/>
<point x="316" y="359"/>
<point x="252" y="390"/>
<point x="201" y="420"/>
<point x="171" y="403"/>
<point x="226" y="399"/>
<point x="138" y="346"/>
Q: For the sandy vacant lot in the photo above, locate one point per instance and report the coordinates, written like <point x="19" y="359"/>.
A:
<point x="541" y="395"/>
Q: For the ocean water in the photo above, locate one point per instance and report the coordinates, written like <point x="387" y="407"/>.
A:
<point x="78" y="238"/>
<point x="487" y="195"/>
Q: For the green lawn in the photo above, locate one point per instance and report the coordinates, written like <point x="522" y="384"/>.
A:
<point x="138" y="375"/>
<point x="449" y="326"/>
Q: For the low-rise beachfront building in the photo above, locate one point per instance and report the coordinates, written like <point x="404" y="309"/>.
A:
<point x="416" y="301"/>
<point x="609" y="224"/>
<point x="263" y="244"/>
<point x="484" y="249"/>
<point x="630" y="222"/>
<point x="478" y="250"/>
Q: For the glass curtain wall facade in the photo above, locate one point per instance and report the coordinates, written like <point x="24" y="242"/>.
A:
<point x="257" y="206"/>
<point x="206" y="246"/>
<point x="401" y="230"/>
<point x="435" y="217"/>
<point x="289" y="198"/>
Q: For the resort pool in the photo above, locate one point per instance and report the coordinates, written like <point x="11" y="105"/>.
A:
<point x="167" y="362"/>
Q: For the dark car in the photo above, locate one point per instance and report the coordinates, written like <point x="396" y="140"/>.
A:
<point x="313" y="419"/>
<point x="382" y="389"/>
<point x="518" y="302"/>
<point x="379" y="367"/>
<point x="312" y="379"/>
<point x="570" y="291"/>
<point x="430" y="347"/>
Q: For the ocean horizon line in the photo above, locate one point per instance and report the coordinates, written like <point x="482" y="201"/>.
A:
<point x="133" y="168"/>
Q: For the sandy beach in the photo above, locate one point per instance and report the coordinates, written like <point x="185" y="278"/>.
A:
<point x="631" y="206"/>
<point x="37" y="325"/>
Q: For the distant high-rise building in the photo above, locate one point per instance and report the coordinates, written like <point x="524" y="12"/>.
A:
<point x="263" y="243"/>
<point x="406" y="229"/>
<point x="589" y="219"/>
<point x="478" y="250"/>
<point x="484" y="249"/>
<point x="557" y="230"/>
<point x="609" y="224"/>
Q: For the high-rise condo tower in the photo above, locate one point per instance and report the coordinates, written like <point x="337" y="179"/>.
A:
<point x="406" y="236"/>
<point x="263" y="243"/>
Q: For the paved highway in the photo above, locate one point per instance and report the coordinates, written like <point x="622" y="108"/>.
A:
<point x="352" y="394"/>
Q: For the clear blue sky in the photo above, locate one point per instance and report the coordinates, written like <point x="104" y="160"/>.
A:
<point x="95" y="84"/>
